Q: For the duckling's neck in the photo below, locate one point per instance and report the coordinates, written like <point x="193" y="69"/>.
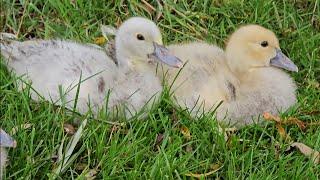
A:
<point x="252" y="77"/>
<point x="127" y="62"/>
<point x="141" y="66"/>
<point x="135" y="65"/>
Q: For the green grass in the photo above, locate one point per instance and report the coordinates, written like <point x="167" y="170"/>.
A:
<point x="132" y="151"/>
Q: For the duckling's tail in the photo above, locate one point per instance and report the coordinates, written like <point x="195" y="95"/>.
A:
<point x="6" y="48"/>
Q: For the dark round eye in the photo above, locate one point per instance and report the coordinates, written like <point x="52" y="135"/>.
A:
<point x="140" y="37"/>
<point x="264" y="43"/>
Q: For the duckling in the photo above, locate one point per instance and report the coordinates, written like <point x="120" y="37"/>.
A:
<point x="5" y="141"/>
<point x="254" y="56"/>
<point x="53" y="66"/>
<point x="246" y="77"/>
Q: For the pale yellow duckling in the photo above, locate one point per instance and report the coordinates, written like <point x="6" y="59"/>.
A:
<point x="246" y="77"/>
<point x="255" y="58"/>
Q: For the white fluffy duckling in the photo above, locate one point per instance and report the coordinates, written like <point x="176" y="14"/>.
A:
<point x="51" y="64"/>
<point x="246" y="77"/>
<point x="5" y="142"/>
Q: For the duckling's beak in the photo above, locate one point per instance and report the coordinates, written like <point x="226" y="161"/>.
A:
<point x="164" y="55"/>
<point x="282" y="61"/>
<point x="6" y="140"/>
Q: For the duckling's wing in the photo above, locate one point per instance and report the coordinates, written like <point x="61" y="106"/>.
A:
<point x="110" y="49"/>
<point x="54" y="63"/>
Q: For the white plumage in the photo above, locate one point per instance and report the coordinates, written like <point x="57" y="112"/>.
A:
<point x="50" y="64"/>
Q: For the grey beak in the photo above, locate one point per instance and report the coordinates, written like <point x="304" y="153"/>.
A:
<point x="282" y="61"/>
<point x="163" y="54"/>
<point x="6" y="140"/>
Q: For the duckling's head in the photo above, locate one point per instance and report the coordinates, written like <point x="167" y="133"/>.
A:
<point x="139" y="42"/>
<point x="253" y="46"/>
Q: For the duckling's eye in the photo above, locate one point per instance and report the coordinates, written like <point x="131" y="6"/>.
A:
<point x="264" y="43"/>
<point x="140" y="37"/>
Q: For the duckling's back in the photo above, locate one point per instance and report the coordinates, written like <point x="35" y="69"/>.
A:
<point x="205" y="78"/>
<point x="49" y="64"/>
